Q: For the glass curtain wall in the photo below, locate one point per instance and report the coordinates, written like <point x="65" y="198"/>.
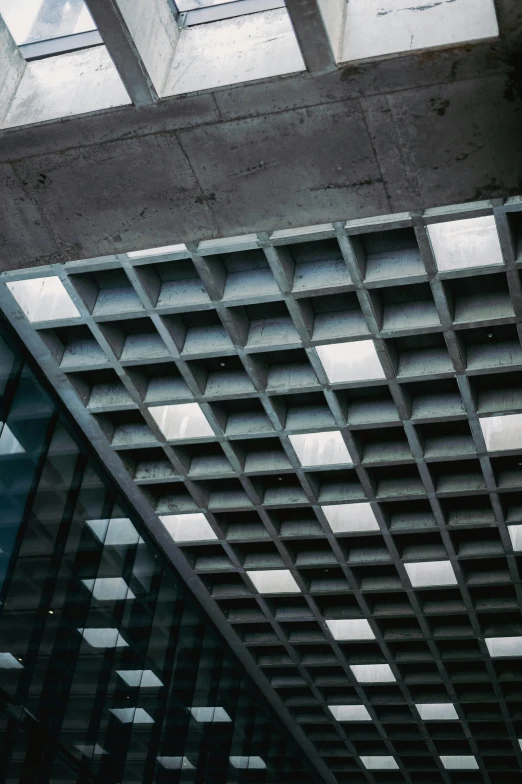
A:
<point x="109" y="669"/>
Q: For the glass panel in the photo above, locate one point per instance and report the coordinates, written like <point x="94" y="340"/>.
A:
<point x="192" y="5"/>
<point x="39" y="20"/>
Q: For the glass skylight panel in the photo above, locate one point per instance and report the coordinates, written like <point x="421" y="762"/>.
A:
<point x="132" y="715"/>
<point x="181" y="421"/>
<point x="210" y="715"/>
<point x="459" y="762"/>
<point x="103" y="638"/>
<point x="320" y="449"/>
<point x="460" y="244"/>
<point x="247" y="763"/>
<point x="437" y="711"/>
<point x="356" y="629"/>
<point x="189" y="527"/>
<point x="504" y="646"/>
<point x="502" y="433"/>
<point x="175" y="763"/>
<point x="515" y="533"/>
<point x="431" y="573"/>
<point x="116" y="531"/>
<point x="109" y="589"/>
<point x="373" y="673"/>
<point x="43" y="299"/>
<point x="90" y="751"/>
<point x="161" y="251"/>
<point x="382" y="762"/>
<point x="193" y="5"/>
<point x="144" y="679"/>
<point x="351" y="518"/>
<point x="9" y="662"/>
<point x="350" y="712"/>
<point x="274" y="581"/>
<point x="353" y="361"/>
<point x="9" y="444"/>
<point x="40" y="20"/>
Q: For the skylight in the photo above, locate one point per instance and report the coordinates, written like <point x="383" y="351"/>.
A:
<point x="161" y="251"/>
<point x="43" y="299"/>
<point x="175" y="763"/>
<point x="9" y="445"/>
<point x="504" y="646"/>
<point x="459" y="762"/>
<point x="357" y="629"/>
<point x="515" y="533"/>
<point x="320" y="449"/>
<point x="274" y="581"/>
<point x="502" y="432"/>
<point x="247" y="763"/>
<point x="373" y="673"/>
<point x="103" y="638"/>
<point x="460" y="244"/>
<point x="144" y="679"/>
<point x="40" y="20"/>
<point x="181" y="421"/>
<point x="350" y="712"/>
<point x="379" y="763"/>
<point x="437" y="711"/>
<point x="354" y="361"/>
<point x="431" y="573"/>
<point x="210" y="715"/>
<point x="109" y="589"/>
<point x="132" y="715"/>
<point x="116" y="531"/>
<point x="9" y="662"/>
<point x="188" y="527"/>
<point x="204" y="11"/>
<point x="376" y="28"/>
<point x="351" y="518"/>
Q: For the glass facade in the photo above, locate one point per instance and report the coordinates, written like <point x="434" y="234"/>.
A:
<point x="109" y="669"/>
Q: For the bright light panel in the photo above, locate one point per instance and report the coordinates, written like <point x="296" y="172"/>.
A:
<point x="502" y="432"/>
<point x="357" y="629"/>
<point x="210" y="715"/>
<point x="437" y="711"/>
<point x="515" y="533"/>
<point x="274" y="581"/>
<point x="103" y="638"/>
<point x="250" y="763"/>
<point x="350" y="712"/>
<point x="175" y="763"/>
<point x="43" y="299"/>
<point x="181" y="421"/>
<point x="9" y="444"/>
<point x="504" y="646"/>
<point x="188" y="527"/>
<point x="321" y="449"/>
<point x="373" y="673"/>
<point x="144" y="679"/>
<point x="109" y="589"/>
<point x="354" y="361"/>
<point x="143" y="254"/>
<point x="90" y="751"/>
<point x="459" y="762"/>
<point x="9" y="662"/>
<point x="472" y="242"/>
<point x="132" y="715"/>
<point x="351" y="518"/>
<point x="430" y="573"/>
<point x="379" y="763"/>
<point x="117" y="531"/>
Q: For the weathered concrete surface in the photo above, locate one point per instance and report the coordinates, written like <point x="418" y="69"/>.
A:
<point x="406" y="133"/>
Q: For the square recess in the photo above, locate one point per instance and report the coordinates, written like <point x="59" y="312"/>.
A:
<point x="351" y="518"/>
<point x="43" y="299"/>
<point x="188" y="527"/>
<point x="321" y="449"/>
<point x="350" y="362"/>
<point x="181" y="421"/>
<point x="461" y="244"/>
<point x="426" y="574"/>
<point x="274" y="581"/>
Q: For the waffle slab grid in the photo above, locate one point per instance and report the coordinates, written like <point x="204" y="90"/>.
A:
<point x="234" y="325"/>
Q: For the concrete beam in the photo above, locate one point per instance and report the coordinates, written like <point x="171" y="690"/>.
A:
<point x="123" y="50"/>
<point x="311" y="35"/>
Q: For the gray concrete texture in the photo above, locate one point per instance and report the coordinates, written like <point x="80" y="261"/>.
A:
<point x="397" y="134"/>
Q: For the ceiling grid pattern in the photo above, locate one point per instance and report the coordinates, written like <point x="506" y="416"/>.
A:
<point x="238" y="327"/>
